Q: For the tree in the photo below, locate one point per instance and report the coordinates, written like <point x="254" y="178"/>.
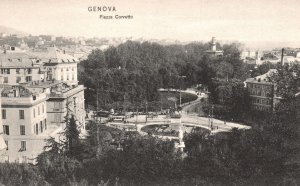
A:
<point x="231" y="99"/>
<point x="57" y="168"/>
<point x="287" y="81"/>
<point x="224" y="70"/>
<point x="20" y="174"/>
<point x="60" y="158"/>
<point x="265" y="67"/>
<point x="134" y="71"/>
<point x="96" y="59"/>
<point x="73" y="145"/>
<point x="55" y="165"/>
<point x="143" y="160"/>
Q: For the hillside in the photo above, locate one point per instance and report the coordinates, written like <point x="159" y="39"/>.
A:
<point x="8" y="30"/>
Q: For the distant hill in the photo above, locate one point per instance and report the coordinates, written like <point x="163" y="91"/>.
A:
<point x="9" y="31"/>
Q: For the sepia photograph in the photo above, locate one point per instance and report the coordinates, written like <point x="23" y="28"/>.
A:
<point x="149" y="93"/>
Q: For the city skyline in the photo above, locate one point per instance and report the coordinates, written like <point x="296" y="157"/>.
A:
<point x="247" y="21"/>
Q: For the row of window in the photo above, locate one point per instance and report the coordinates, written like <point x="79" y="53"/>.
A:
<point x="6" y="129"/>
<point x="40" y="128"/>
<point x="262" y="108"/>
<point x="18" y="71"/>
<point x="21" y="114"/>
<point x="22" y="147"/>
<point x="37" y="128"/>
<point x="67" y="69"/>
<point x="262" y="101"/>
<point x="39" y="112"/>
<point x="28" y="71"/>
<point x="62" y="77"/>
<point x="18" y="79"/>
<point x="5" y="71"/>
<point x="258" y="86"/>
<point x="260" y="93"/>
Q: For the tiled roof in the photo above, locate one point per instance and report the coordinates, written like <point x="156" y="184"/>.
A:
<point x="55" y="55"/>
<point x="262" y="78"/>
<point x="15" y="60"/>
<point x="23" y="92"/>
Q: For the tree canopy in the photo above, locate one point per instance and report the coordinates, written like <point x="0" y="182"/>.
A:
<point x="133" y="72"/>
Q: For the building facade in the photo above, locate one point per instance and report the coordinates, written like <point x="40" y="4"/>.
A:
<point x="262" y="92"/>
<point x="24" y="122"/>
<point x="18" y="67"/>
<point x="59" y="66"/>
<point x="63" y="99"/>
<point x="38" y="91"/>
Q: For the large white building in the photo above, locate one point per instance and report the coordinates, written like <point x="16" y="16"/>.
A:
<point x="59" y="65"/>
<point x="62" y="98"/>
<point x="37" y="90"/>
<point x="24" y="122"/>
<point x="19" y="67"/>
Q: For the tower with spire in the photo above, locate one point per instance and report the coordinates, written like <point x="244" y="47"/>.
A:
<point x="213" y="52"/>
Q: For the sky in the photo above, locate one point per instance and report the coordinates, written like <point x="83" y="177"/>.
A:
<point x="184" y="20"/>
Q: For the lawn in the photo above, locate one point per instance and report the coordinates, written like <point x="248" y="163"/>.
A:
<point x="167" y="98"/>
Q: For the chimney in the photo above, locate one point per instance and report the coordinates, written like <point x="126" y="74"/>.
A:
<point x="282" y="50"/>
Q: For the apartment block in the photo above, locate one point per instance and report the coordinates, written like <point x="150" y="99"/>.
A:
<point x="58" y="65"/>
<point x="262" y="92"/>
<point x="17" y="68"/>
<point x="24" y="122"/>
<point x="62" y="99"/>
<point x="38" y="90"/>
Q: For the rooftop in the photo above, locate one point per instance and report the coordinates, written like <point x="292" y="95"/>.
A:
<point x="15" y="91"/>
<point x="56" y="89"/>
<point x="18" y="60"/>
<point x="264" y="78"/>
<point x="55" y="55"/>
<point x="45" y="84"/>
<point x="20" y="96"/>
